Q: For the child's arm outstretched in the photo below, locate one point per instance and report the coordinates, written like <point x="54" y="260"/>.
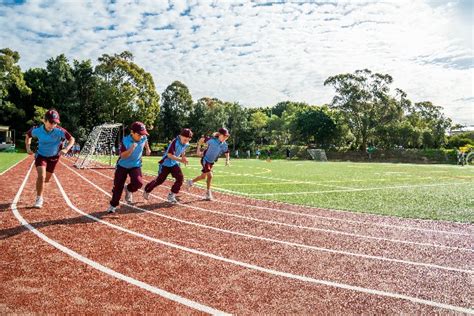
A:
<point x="199" y="144"/>
<point x="184" y="159"/>
<point x="28" y="143"/>
<point x="70" y="143"/>
<point x="147" y="149"/>
<point x="227" y="158"/>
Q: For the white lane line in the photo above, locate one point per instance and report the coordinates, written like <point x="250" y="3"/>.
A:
<point x="255" y="175"/>
<point x="287" y="243"/>
<point x="276" y="272"/>
<point x="233" y="193"/>
<point x="11" y="167"/>
<point x="327" y="217"/>
<point x="293" y="226"/>
<point x="95" y="265"/>
<point x="364" y="189"/>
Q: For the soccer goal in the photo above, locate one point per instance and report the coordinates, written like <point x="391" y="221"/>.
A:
<point x="318" y="154"/>
<point x="100" y="149"/>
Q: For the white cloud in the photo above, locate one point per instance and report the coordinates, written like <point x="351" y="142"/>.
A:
<point x="257" y="53"/>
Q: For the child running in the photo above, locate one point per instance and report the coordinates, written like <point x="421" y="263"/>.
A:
<point x="50" y="139"/>
<point x="174" y="154"/>
<point x="129" y="163"/>
<point x="216" y="146"/>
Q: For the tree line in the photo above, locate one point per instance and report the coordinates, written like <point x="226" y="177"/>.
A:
<point x="364" y="111"/>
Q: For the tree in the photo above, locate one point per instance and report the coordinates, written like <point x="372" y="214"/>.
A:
<point x="196" y="117"/>
<point x="126" y="92"/>
<point x="287" y="106"/>
<point x="429" y="118"/>
<point x="60" y="84"/>
<point x="11" y="77"/>
<point x="237" y="122"/>
<point x="176" y="109"/>
<point x="315" y="125"/>
<point x="364" y="99"/>
<point x="86" y="103"/>
<point x="258" y="122"/>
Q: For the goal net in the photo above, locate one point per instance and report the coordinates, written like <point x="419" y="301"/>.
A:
<point x="100" y="150"/>
<point x="318" y="154"/>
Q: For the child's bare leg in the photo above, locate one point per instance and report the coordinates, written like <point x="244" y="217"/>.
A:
<point x="199" y="178"/>
<point x="48" y="176"/>
<point x="208" y="180"/>
<point x="40" y="180"/>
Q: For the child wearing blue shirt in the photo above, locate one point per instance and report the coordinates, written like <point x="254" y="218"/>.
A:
<point x="174" y="154"/>
<point x="216" y="146"/>
<point x="129" y="163"/>
<point x="50" y="138"/>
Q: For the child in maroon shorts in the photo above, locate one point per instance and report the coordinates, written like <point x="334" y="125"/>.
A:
<point x="216" y="146"/>
<point x="50" y="137"/>
<point x="129" y="164"/>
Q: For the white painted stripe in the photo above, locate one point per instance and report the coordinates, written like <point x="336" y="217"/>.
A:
<point x="11" y="167"/>
<point x="287" y="243"/>
<point x="280" y="273"/>
<point x="95" y="265"/>
<point x="359" y="190"/>
<point x="328" y="217"/>
<point x="280" y="223"/>
<point x="223" y="191"/>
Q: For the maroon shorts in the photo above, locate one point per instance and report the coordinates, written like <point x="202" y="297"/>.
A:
<point x="206" y="166"/>
<point x="49" y="162"/>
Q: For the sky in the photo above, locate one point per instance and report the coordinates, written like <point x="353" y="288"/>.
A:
<point x="259" y="53"/>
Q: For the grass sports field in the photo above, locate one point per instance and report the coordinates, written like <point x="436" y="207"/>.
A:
<point x="9" y="159"/>
<point x="417" y="191"/>
<point x="444" y="192"/>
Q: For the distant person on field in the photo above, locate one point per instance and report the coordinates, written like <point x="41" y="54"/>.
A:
<point x="269" y="155"/>
<point x="257" y="154"/>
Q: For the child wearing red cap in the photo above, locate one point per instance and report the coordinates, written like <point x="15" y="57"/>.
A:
<point x="50" y="138"/>
<point x="129" y="163"/>
<point x="216" y="146"/>
<point x="174" y="154"/>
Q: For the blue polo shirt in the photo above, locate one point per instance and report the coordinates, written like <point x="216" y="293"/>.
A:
<point x="214" y="149"/>
<point x="135" y="158"/>
<point x="49" y="143"/>
<point x="176" y="148"/>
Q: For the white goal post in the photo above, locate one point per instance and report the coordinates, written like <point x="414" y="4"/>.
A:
<point x="318" y="154"/>
<point x="99" y="151"/>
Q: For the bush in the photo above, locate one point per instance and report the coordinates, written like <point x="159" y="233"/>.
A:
<point x="457" y="141"/>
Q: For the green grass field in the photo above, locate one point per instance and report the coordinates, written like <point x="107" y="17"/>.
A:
<point x="9" y="159"/>
<point x="441" y="192"/>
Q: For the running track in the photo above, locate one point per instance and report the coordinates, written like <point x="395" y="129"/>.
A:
<point x="234" y="255"/>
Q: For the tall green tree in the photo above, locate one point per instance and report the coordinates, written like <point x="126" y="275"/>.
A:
<point x="11" y="77"/>
<point x="258" y="122"/>
<point x="237" y="123"/>
<point x="315" y="125"/>
<point x="176" y="109"/>
<point x="125" y="91"/>
<point x="85" y="88"/>
<point x="429" y="118"/>
<point x="364" y="99"/>
<point x="197" y="115"/>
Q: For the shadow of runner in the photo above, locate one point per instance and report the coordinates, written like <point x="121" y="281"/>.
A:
<point x="10" y="232"/>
